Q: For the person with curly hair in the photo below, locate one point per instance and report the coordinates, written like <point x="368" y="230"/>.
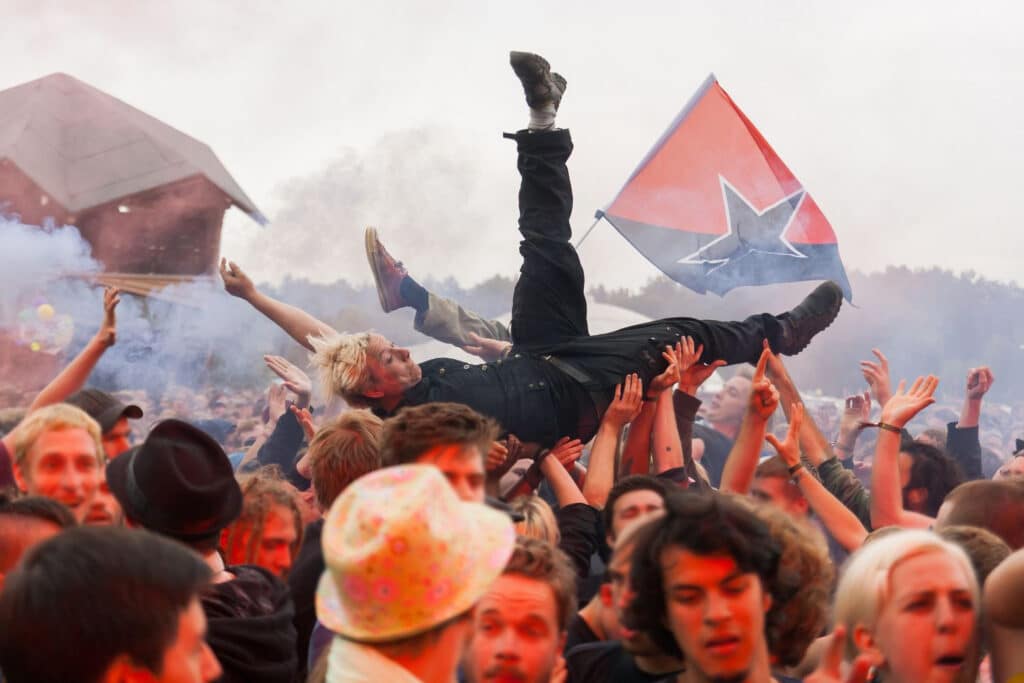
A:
<point x="710" y="589"/>
<point x="268" y="532"/>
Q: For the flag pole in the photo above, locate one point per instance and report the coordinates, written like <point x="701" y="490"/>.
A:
<point x="598" y="215"/>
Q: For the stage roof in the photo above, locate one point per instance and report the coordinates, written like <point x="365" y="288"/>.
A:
<point x="86" y="148"/>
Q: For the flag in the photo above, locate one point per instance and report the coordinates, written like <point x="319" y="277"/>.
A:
<point x="714" y="207"/>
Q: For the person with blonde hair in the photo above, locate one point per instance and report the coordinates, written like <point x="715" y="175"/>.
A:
<point x="58" y="453"/>
<point x="538" y="518"/>
<point x="909" y="602"/>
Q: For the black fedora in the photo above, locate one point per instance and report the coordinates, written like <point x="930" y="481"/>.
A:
<point x="179" y="482"/>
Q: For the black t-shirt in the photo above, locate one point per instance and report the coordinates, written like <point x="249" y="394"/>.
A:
<point x="579" y="633"/>
<point x="599" y="662"/>
<point x="716" y="451"/>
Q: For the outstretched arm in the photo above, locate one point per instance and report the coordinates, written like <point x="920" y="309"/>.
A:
<point x="299" y="324"/>
<point x="962" y="440"/>
<point x="74" y="375"/>
<point x="562" y="484"/>
<point x="886" y="492"/>
<point x="742" y="461"/>
<point x="673" y="445"/>
<point x="842" y="524"/>
<point x="625" y="406"/>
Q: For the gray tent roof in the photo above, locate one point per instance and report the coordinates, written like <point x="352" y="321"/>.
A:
<point x="87" y="148"/>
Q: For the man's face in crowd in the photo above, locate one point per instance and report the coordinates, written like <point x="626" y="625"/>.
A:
<point x="62" y="465"/>
<point x="462" y="465"/>
<point x="776" y="491"/>
<point x="103" y="509"/>
<point x="273" y="550"/>
<point x="118" y="439"/>
<point x="622" y="594"/>
<point x="729" y="404"/>
<point x="716" y="613"/>
<point x="926" y="628"/>
<point x="189" y="659"/>
<point x="1014" y="468"/>
<point x="516" y="636"/>
<point x="392" y="369"/>
<point x="632" y="506"/>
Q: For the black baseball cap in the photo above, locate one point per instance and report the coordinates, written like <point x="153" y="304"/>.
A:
<point x="103" y="407"/>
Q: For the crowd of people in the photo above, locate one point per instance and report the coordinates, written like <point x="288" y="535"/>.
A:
<point x="574" y="508"/>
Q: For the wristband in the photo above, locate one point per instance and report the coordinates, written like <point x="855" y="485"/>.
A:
<point x="889" y="428"/>
<point x="793" y="469"/>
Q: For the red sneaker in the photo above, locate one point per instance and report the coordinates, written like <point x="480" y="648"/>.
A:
<point x="387" y="273"/>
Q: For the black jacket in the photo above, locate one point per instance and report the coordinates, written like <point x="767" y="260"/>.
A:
<point x="250" y="627"/>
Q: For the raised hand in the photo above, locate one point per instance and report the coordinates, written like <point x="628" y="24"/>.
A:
<point x="295" y="380"/>
<point x="764" y="397"/>
<point x="789" y="449"/>
<point x="107" y="334"/>
<point x="828" y="670"/>
<point x="877" y="377"/>
<point x="496" y="456"/>
<point x="856" y="412"/>
<point x="626" y="402"/>
<point x="667" y="378"/>
<point x="236" y="282"/>
<point x="487" y="349"/>
<point x="692" y="373"/>
<point x="979" y="381"/>
<point x="567" y="451"/>
<point x="305" y="419"/>
<point x="904" y="405"/>
<point x="277" y="396"/>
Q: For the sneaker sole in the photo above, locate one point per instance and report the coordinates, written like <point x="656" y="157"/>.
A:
<point x="373" y="256"/>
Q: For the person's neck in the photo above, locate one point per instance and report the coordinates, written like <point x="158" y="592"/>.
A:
<point x="389" y="403"/>
<point x="729" y="429"/>
<point x="590" y="613"/>
<point x="437" y="663"/>
<point x="215" y="562"/>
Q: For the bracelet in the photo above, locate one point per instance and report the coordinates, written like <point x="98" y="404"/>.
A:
<point x="793" y="469"/>
<point x="842" y="448"/>
<point x="889" y="428"/>
<point x="648" y="399"/>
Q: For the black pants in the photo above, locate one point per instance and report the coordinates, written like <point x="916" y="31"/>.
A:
<point x="549" y="311"/>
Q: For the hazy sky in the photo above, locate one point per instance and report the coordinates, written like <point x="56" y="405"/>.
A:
<point x="902" y="119"/>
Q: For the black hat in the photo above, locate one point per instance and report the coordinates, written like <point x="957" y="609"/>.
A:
<point x="103" y="407"/>
<point x="179" y="482"/>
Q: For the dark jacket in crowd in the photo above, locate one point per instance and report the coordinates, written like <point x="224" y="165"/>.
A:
<point x="250" y="627"/>
<point x="961" y="444"/>
<point x="302" y="582"/>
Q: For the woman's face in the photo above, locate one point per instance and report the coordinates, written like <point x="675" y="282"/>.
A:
<point x="926" y="632"/>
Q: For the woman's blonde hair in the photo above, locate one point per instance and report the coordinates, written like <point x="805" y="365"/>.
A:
<point x="538" y="518"/>
<point x="340" y="361"/>
<point x="865" y="585"/>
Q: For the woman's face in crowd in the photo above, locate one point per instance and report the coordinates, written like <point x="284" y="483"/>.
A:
<point x="926" y="632"/>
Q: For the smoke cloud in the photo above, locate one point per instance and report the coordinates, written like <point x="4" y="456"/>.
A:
<point x="441" y="207"/>
<point x="200" y="336"/>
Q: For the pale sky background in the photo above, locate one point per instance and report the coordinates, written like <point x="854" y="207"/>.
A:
<point x="902" y="119"/>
